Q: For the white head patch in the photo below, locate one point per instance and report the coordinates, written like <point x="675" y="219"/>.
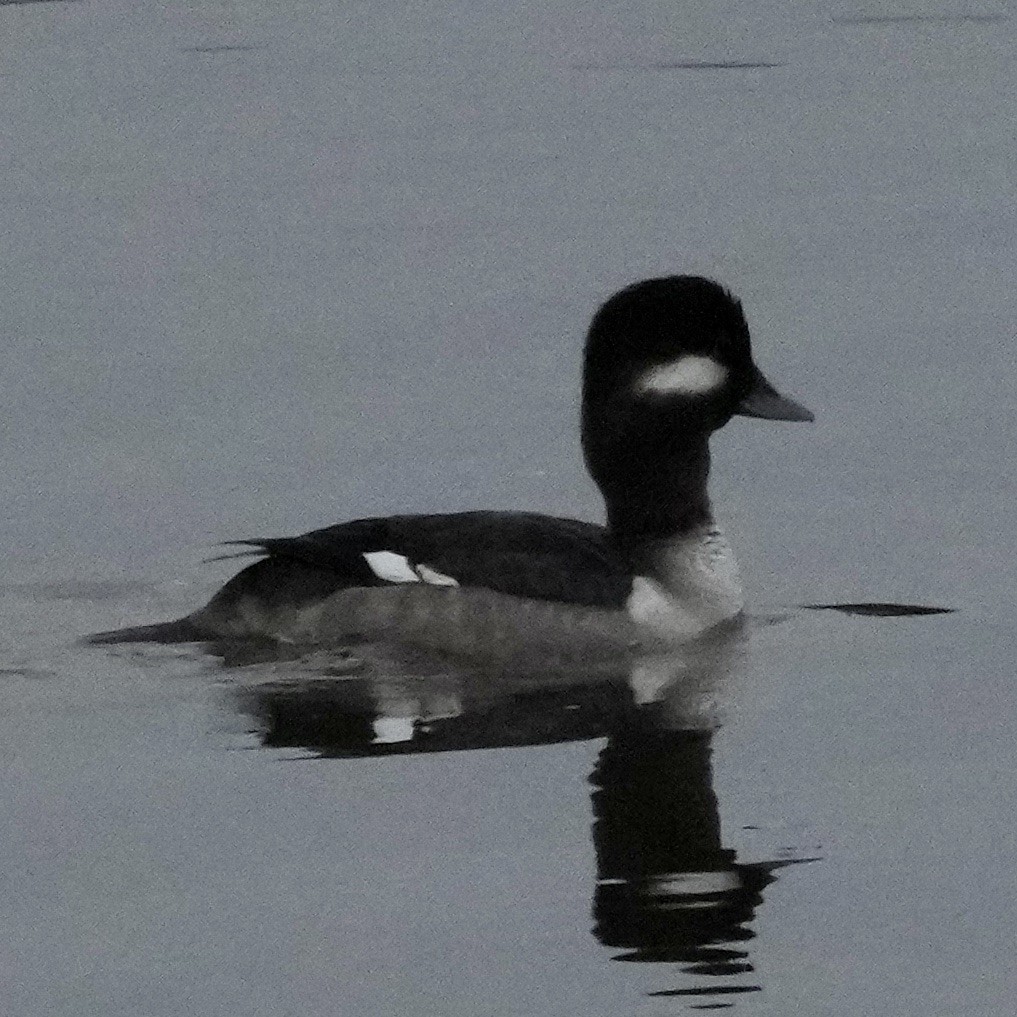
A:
<point x="688" y="375"/>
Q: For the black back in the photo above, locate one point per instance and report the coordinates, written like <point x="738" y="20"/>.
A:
<point x="522" y="554"/>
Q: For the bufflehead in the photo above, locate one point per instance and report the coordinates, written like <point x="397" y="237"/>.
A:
<point x="667" y="362"/>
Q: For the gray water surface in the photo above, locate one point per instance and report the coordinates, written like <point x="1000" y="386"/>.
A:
<point x="268" y="267"/>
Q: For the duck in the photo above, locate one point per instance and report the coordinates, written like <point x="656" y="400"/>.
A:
<point x="667" y="362"/>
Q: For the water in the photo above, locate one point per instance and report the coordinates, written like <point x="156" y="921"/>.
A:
<point x="270" y="267"/>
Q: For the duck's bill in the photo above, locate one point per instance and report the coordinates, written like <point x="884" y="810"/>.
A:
<point x="764" y="401"/>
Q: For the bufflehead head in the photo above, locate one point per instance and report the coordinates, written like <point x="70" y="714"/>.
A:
<point x="668" y="362"/>
<point x="679" y="348"/>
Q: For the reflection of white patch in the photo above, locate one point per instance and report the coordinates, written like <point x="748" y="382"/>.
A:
<point x="651" y="677"/>
<point x="389" y="730"/>
<point x="396" y="568"/>
<point x="392" y="567"/>
<point x="685" y="884"/>
<point x="689" y="375"/>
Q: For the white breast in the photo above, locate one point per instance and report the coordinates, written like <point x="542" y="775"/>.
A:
<point x="693" y="585"/>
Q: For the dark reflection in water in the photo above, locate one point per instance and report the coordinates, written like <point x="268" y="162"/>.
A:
<point x="666" y="889"/>
<point x="337" y="705"/>
<point x="341" y="719"/>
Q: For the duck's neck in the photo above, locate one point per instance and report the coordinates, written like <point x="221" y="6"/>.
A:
<point x="659" y="517"/>
<point x="654" y="499"/>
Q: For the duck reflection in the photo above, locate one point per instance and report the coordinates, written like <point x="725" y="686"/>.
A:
<point x="667" y="890"/>
<point x="334" y="712"/>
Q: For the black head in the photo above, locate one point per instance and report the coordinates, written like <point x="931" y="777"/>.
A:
<point x="681" y="345"/>
<point x="668" y="361"/>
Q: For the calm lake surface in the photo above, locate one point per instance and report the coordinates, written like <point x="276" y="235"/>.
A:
<point x="267" y="267"/>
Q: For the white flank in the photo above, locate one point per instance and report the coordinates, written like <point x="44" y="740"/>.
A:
<point x="689" y="375"/>
<point x="392" y="567"/>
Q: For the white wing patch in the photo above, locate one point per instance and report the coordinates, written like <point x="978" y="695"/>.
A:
<point x="434" y="577"/>
<point x="397" y="568"/>
<point x="688" y="375"/>
<point x="392" y="567"/>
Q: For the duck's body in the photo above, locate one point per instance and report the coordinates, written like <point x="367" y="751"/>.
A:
<point x="667" y="363"/>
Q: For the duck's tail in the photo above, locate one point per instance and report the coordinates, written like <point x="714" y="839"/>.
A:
<point x="183" y="630"/>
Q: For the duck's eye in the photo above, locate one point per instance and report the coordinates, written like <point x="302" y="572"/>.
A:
<point x="688" y="375"/>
